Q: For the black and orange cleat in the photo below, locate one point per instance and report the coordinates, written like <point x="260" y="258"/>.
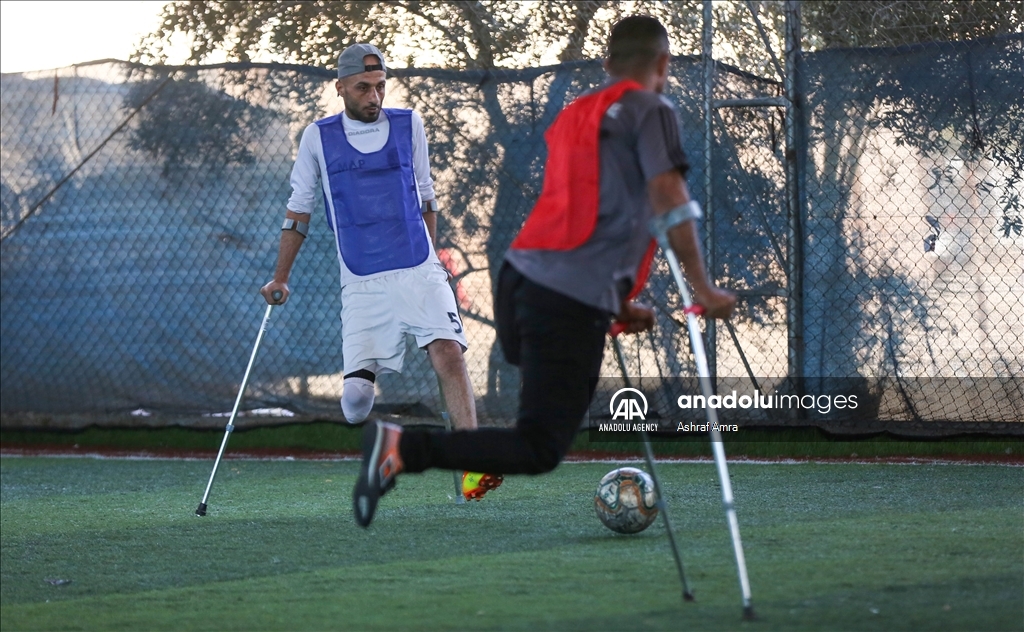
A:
<point x="381" y="464"/>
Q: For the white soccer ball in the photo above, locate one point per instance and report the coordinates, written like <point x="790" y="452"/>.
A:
<point x="625" y="500"/>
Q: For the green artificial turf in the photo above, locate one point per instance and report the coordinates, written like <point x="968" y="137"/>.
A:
<point x="829" y="547"/>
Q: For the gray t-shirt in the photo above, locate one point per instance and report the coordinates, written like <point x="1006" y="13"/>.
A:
<point x="639" y="140"/>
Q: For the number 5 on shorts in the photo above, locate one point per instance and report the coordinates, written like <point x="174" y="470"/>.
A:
<point x="455" y="320"/>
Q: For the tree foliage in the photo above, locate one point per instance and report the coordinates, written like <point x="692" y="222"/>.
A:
<point x="466" y="35"/>
<point x="830" y="23"/>
<point x="457" y="35"/>
<point x="191" y="125"/>
<point x="486" y="126"/>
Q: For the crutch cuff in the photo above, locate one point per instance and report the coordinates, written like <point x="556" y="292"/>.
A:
<point x="660" y="224"/>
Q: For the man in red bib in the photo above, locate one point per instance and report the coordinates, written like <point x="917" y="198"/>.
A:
<point x="614" y="163"/>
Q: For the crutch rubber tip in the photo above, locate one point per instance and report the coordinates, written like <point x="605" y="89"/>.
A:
<point x="201" y="510"/>
<point x="688" y="596"/>
<point x="748" y="613"/>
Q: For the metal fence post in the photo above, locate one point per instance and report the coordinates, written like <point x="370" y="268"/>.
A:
<point x="707" y="56"/>
<point x="795" y="148"/>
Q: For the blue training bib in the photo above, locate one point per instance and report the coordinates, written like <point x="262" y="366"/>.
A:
<point x="377" y="218"/>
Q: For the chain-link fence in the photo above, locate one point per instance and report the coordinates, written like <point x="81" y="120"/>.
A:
<point x="142" y="206"/>
<point x="914" y="258"/>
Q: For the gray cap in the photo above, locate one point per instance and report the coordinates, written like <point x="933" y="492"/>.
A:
<point x="350" y="61"/>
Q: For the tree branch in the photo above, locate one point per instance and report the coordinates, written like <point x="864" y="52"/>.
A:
<point x="583" y="14"/>
<point x="416" y="8"/>
<point x="481" y="32"/>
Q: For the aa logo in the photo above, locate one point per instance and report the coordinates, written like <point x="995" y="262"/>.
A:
<point x="628" y="404"/>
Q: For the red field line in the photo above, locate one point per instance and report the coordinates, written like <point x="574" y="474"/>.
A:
<point x="1016" y="460"/>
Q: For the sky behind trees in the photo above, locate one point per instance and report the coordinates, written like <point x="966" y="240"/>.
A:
<point x="75" y="32"/>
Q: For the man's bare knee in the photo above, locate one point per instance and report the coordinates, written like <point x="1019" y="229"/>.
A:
<point x="446" y="356"/>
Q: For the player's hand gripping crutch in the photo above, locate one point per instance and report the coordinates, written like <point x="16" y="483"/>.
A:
<point x="660" y="226"/>
<point x="201" y="510"/>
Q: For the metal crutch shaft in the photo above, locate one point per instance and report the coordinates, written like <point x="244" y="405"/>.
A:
<point x="704" y="374"/>
<point x="456" y="475"/>
<point x="662" y="504"/>
<point x="201" y="510"/>
<point x="649" y="455"/>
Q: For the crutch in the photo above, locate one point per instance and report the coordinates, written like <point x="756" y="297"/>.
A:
<point x="456" y="474"/>
<point x="649" y="456"/>
<point x="659" y="228"/>
<point x="201" y="510"/>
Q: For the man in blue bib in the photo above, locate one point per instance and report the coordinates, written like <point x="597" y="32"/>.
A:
<point x="371" y="167"/>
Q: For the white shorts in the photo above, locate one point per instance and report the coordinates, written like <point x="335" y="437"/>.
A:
<point x="378" y="313"/>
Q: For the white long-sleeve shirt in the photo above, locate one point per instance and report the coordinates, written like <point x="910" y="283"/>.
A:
<point x="309" y="184"/>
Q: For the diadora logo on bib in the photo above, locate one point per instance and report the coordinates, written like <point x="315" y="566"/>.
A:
<point x="628" y="404"/>
<point x="360" y="132"/>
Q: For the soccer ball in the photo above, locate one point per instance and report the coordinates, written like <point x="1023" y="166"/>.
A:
<point x="625" y="500"/>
